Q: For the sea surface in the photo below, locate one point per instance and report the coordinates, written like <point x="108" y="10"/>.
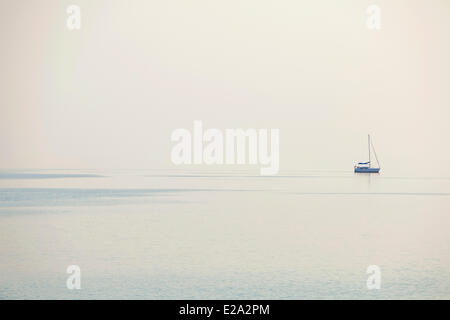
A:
<point x="187" y="234"/>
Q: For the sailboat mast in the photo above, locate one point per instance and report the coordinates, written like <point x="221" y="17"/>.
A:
<point x="369" y="147"/>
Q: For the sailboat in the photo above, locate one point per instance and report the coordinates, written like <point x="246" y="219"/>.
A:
<point x="366" y="167"/>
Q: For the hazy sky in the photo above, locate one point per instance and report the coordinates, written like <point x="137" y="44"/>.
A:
<point x="109" y="95"/>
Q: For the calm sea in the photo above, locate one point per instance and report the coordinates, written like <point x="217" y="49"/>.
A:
<point x="223" y="235"/>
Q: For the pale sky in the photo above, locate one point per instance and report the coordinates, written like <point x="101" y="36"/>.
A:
<point x="109" y="95"/>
